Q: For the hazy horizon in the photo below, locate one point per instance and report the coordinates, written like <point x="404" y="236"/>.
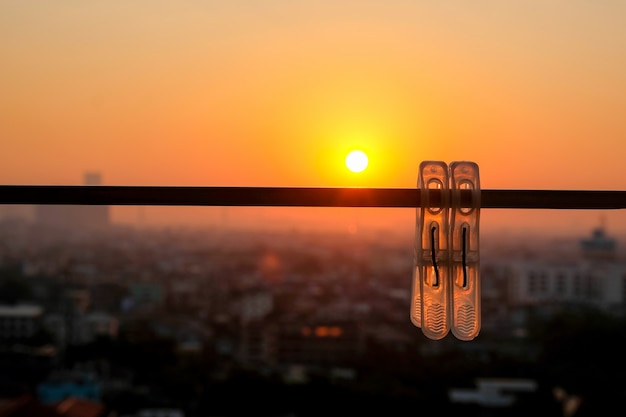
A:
<point x="396" y="221"/>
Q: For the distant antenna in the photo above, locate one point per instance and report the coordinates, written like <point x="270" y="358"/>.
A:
<point x="141" y="216"/>
<point x="602" y="221"/>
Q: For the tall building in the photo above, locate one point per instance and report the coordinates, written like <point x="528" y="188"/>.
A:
<point x="599" y="247"/>
<point x="75" y="217"/>
<point x="93" y="178"/>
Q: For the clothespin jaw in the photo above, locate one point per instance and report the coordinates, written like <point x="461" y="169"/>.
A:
<point x="446" y="279"/>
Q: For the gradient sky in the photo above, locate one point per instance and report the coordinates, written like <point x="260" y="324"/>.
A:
<point x="276" y="92"/>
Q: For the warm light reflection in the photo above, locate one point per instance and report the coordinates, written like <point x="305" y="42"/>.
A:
<point x="321" y="331"/>
<point x="335" y="331"/>
<point x="270" y="267"/>
<point x="328" y="331"/>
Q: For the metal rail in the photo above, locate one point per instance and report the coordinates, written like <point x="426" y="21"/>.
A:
<point x="302" y="197"/>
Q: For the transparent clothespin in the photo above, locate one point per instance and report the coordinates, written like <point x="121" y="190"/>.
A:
<point x="429" y="303"/>
<point x="464" y="245"/>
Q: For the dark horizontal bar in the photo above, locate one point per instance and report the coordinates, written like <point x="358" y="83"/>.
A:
<point x="300" y="197"/>
<point x="554" y="199"/>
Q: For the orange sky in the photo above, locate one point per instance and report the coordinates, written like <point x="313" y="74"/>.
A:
<point x="276" y="92"/>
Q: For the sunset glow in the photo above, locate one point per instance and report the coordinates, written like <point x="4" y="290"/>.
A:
<point x="229" y="93"/>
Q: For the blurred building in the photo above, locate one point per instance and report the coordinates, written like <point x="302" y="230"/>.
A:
<point x="61" y="385"/>
<point x="75" y="217"/>
<point x="318" y="343"/>
<point x="29" y="406"/>
<point x="79" y="328"/>
<point x="595" y="278"/>
<point x="19" y="321"/>
<point x="144" y="295"/>
<point x="599" y="246"/>
<point x="493" y="392"/>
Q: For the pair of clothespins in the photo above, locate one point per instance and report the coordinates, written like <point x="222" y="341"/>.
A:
<point x="446" y="280"/>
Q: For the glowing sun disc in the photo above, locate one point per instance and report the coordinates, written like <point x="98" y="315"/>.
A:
<point x="356" y="161"/>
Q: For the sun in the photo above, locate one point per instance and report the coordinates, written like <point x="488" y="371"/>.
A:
<point x="356" y="161"/>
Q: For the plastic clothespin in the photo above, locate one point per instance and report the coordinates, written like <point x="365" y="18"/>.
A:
<point x="446" y="274"/>
<point x="464" y="244"/>
<point x="429" y="308"/>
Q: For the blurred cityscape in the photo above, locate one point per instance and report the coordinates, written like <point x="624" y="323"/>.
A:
<point x="98" y="319"/>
